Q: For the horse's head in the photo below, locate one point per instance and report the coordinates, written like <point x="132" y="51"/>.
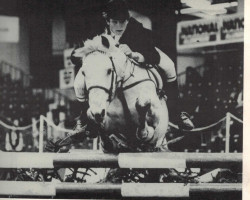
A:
<point x="101" y="68"/>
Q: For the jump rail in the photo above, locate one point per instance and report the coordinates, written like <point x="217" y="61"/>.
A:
<point x="124" y="189"/>
<point x="122" y="160"/>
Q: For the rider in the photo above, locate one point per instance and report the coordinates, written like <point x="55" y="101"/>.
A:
<point x="137" y="42"/>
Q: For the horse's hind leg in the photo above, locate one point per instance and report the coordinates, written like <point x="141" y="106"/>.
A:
<point x="144" y="131"/>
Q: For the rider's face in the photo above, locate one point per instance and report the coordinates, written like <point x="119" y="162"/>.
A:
<point x="117" y="26"/>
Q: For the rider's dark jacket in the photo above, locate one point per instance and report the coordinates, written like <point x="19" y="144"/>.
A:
<point x="139" y="39"/>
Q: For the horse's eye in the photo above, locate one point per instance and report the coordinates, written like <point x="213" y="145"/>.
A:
<point x="109" y="71"/>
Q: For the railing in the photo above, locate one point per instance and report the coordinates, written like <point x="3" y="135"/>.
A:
<point x="199" y="131"/>
<point x="124" y="190"/>
<point x="96" y="159"/>
<point x="154" y="160"/>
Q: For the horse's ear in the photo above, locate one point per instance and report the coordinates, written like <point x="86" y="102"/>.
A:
<point x="79" y="52"/>
<point x="105" y="42"/>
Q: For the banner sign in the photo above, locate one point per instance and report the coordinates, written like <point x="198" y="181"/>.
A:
<point x="66" y="78"/>
<point x="208" y="32"/>
<point x="9" y="29"/>
<point x="232" y="28"/>
<point x="198" y="33"/>
<point x="66" y="58"/>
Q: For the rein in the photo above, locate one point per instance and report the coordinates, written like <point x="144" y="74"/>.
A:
<point x="136" y="83"/>
<point x="120" y="88"/>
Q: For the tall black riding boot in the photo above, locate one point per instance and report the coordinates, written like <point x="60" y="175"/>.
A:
<point x="82" y="119"/>
<point x="174" y="107"/>
<point x="85" y="126"/>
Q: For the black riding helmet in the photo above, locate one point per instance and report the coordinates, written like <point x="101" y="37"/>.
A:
<point x="117" y="9"/>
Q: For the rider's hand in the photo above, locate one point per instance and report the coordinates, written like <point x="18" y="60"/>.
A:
<point x="134" y="55"/>
<point x="126" y="50"/>
<point x="138" y="57"/>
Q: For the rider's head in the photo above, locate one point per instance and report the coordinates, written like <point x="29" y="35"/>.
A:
<point x="117" y="16"/>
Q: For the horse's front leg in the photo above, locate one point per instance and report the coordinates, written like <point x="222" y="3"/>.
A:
<point x="106" y="144"/>
<point x="147" y="118"/>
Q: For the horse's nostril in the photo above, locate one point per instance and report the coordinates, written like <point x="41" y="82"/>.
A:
<point x="103" y="113"/>
<point x="98" y="117"/>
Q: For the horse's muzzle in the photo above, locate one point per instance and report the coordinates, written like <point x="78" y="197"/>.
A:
<point x="99" y="117"/>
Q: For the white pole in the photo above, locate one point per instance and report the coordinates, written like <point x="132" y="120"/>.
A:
<point x="99" y="143"/>
<point x="95" y="143"/>
<point x="228" y="120"/>
<point x="35" y="133"/>
<point x="50" y="132"/>
<point x="41" y="134"/>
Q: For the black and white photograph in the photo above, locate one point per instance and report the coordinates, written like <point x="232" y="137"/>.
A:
<point x="123" y="99"/>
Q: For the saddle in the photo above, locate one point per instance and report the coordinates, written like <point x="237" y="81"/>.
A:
<point x="154" y="73"/>
<point x="157" y="77"/>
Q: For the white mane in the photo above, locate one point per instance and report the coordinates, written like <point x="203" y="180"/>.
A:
<point x="95" y="45"/>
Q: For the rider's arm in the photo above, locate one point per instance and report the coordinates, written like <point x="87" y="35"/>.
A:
<point x="138" y="57"/>
<point x="134" y="55"/>
<point x="140" y="41"/>
<point x="146" y="47"/>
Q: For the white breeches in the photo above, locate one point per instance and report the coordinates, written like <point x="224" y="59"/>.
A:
<point x="167" y="65"/>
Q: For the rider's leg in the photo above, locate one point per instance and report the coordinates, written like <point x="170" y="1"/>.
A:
<point x="83" y="124"/>
<point x="81" y="120"/>
<point x="79" y="87"/>
<point x="170" y="87"/>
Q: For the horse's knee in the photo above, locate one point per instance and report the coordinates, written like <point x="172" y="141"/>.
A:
<point x="142" y="105"/>
<point x="143" y="101"/>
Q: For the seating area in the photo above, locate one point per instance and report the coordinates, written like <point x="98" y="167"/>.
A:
<point x="21" y="103"/>
<point x="210" y="91"/>
<point x="213" y="90"/>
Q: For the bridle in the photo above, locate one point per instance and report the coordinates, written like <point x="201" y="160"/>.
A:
<point x="118" y="83"/>
<point x="110" y="89"/>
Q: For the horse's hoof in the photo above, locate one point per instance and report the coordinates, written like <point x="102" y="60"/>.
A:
<point x="145" y="134"/>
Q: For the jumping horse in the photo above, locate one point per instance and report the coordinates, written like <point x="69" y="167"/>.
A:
<point x="123" y="98"/>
